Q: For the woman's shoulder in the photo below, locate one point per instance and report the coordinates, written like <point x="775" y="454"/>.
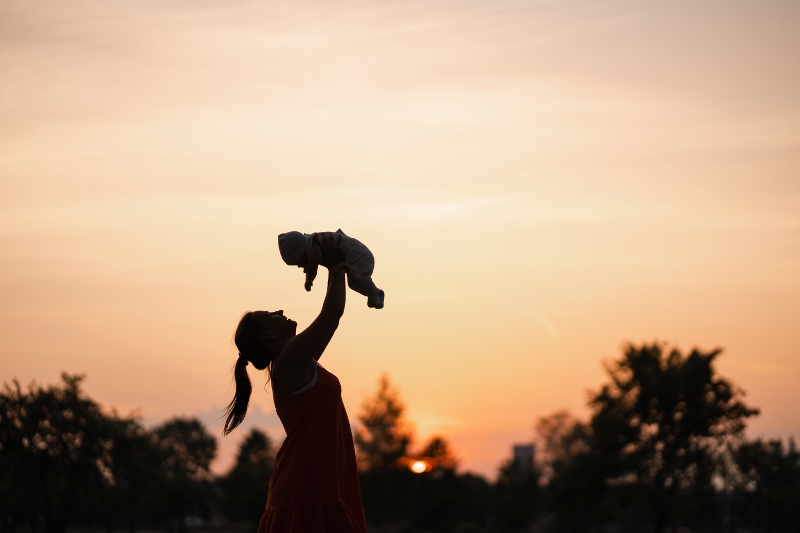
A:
<point x="287" y="380"/>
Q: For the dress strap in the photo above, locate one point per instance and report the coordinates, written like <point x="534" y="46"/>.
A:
<point x="310" y="383"/>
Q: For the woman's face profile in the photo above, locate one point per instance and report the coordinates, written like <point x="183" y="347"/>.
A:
<point x="275" y="326"/>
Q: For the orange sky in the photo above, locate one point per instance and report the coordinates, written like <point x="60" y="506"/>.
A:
<point x="539" y="182"/>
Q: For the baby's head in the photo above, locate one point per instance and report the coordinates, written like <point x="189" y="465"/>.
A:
<point x="292" y="246"/>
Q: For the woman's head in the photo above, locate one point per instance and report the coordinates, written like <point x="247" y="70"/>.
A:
<point x="260" y="337"/>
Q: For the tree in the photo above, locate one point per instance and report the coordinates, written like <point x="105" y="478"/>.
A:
<point x="768" y="488"/>
<point x="440" y="498"/>
<point x="664" y="422"/>
<point x="243" y="490"/>
<point x="185" y="451"/>
<point x="136" y="475"/>
<point x="382" y="443"/>
<point x="571" y="471"/>
<point x="517" y="494"/>
<point x="55" y="447"/>
<point x="384" y="436"/>
<point x="562" y="439"/>
<point x="438" y="455"/>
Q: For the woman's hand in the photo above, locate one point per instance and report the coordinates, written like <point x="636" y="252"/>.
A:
<point x="344" y="267"/>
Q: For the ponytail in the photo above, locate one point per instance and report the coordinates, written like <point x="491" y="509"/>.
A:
<point x="234" y="413"/>
<point x="247" y="339"/>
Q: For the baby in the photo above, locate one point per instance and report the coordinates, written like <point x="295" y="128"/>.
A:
<point x="329" y="249"/>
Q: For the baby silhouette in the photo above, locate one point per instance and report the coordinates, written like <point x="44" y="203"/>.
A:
<point x="331" y="248"/>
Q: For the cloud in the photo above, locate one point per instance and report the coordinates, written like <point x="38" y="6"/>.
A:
<point x="542" y="321"/>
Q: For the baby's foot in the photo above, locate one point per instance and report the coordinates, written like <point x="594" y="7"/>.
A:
<point x="376" y="300"/>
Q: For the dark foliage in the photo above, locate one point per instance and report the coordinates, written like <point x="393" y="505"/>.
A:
<point x="517" y="498"/>
<point x="65" y="461"/>
<point x="663" y="448"/>
<point x="656" y="447"/>
<point x="54" y="454"/>
<point x="438" y="500"/>
<point x="243" y="491"/>
<point x="185" y="451"/>
<point x="768" y="494"/>
<point x="382" y="440"/>
<point x="131" y="497"/>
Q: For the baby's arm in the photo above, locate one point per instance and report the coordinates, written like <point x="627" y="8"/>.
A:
<point x="313" y="263"/>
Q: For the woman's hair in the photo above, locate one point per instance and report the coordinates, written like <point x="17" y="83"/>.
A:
<point x="247" y="339"/>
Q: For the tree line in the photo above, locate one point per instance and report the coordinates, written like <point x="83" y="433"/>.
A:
<point x="663" y="448"/>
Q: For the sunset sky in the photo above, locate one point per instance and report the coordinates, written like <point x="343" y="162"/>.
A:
<point x="539" y="181"/>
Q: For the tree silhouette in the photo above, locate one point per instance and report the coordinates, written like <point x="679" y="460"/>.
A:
<point x="135" y="473"/>
<point x="438" y="455"/>
<point x="54" y="453"/>
<point x="382" y="443"/>
<point x="664" y="422"/>
<point x="384" y="436"/>
<point x="562" y="439"/>
<point x="243" y="490"/>
<point x="185" y="450"/>
<point x="572" y="472"/>
<point x="517" y="495"/>
<point x="768" y="486"/>
<point x="664" y="446"/>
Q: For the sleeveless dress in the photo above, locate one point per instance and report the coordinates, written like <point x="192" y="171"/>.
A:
<point x="314" y="487"/>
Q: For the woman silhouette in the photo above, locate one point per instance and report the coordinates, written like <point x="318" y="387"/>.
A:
<point x="314" y="487"/>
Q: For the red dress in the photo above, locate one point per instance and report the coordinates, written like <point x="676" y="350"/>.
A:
<point x="314" y="488"/>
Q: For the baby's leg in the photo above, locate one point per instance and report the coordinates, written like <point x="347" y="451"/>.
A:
<point x="364" y="285"/>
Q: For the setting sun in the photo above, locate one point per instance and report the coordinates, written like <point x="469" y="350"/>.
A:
<point x="420" y="467"/>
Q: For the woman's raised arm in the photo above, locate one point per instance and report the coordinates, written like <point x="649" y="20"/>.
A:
<point x="311" y="342"/>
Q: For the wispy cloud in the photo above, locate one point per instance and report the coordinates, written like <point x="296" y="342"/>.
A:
<point x="542" y="321"/>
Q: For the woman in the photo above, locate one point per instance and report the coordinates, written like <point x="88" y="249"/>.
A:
<point x="314" y="487"/>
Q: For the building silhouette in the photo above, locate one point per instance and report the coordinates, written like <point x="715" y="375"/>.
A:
<point x="523" y="456"/>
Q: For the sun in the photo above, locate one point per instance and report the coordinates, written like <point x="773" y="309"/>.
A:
<point x="420" y="467"/>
